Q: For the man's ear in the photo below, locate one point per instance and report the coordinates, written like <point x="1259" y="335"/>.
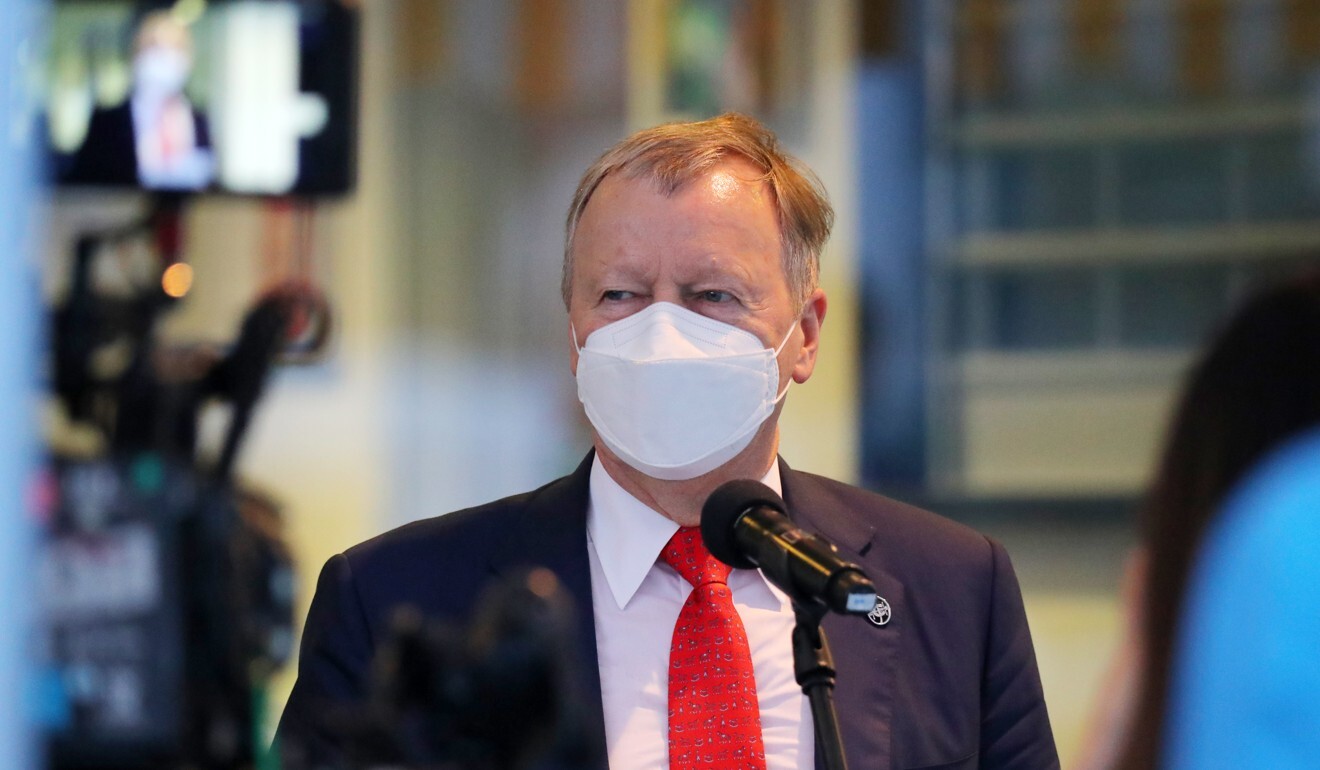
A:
<point x="572" y="349"/>
<point x="813" y="316"/>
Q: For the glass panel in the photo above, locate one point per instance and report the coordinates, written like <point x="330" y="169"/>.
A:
<point x="1044" y="309"/>
<point x="1173" y="183"/>
<point x="1039" y="190"/>
<point x="957" y="330"/>
<point x="1171" y="306"/>
<point x="972" y="312"/>
<point x="1281" y="179"/>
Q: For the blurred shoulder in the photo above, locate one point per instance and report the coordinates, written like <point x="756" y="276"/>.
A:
<point x="462" y="543"/>
<point x="457" y="531"/>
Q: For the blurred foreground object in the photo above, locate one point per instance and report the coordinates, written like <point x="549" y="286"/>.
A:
<point x="1256" y="387"/>
<point x="496" y="695"/>
<point x="19" y="347"/>
<point x="166" y="586"/>
<point x="1247" y="684"/>
<point x="167" y="601"/>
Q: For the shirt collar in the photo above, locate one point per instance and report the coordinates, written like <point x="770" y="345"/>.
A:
<point x="627" y="535"/>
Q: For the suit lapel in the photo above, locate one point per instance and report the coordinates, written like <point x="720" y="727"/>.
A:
<point x="553" y="534"/>
<point x="865" y="655"/>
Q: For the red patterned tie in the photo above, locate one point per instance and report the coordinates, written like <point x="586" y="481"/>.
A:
<point x="714" y="720"/>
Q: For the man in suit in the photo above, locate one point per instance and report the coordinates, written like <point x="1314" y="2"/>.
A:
<point x="156" y="138"/>
<point x="690" y="278"/>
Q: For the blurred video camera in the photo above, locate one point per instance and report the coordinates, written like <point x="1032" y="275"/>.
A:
<point x="168" y="602"/>
<point x="166" y="587"/>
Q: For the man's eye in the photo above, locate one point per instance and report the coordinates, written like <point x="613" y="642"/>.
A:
<point x="615" y="295"/>
<point x="715" y="295"/>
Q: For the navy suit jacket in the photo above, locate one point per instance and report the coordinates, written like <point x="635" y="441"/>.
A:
<point x="949" y="682"/>
<point x="108" y="155"/>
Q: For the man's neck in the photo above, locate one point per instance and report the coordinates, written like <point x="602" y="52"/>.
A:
<point x="681" y="501"/>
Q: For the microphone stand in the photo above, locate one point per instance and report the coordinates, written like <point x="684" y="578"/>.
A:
<point x="813" y="668"/>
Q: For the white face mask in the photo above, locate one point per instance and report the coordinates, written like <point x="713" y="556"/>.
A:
<point x="160" y="71"/>
<point x="675" y="394"/>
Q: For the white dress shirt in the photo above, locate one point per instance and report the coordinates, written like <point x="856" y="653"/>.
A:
<point x="636" y="601"/>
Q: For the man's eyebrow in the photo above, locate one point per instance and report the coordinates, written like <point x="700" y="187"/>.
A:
<point x="726" y="273"/>
<point x="625" y="270"/>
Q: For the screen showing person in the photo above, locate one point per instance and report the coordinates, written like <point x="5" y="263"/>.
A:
<point x="143" y="127"/>
<point x="170" y="137"/>
<point x="232" y="96"/>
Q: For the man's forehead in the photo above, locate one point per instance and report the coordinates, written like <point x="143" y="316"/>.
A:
<point x="725" y="176"/>
<point x="649" y="266"/>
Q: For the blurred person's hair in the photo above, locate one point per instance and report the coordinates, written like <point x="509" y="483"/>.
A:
<point x="673" y="154"/>
<point x="1256" y="386"/>
<point x="162" y="28"/>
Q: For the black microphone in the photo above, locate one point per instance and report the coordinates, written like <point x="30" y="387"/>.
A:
<point x="746" y="525"/>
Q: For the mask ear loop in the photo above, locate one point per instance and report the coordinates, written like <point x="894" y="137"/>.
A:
<point x="572" y="336"/>
<point x="779" y="350"/>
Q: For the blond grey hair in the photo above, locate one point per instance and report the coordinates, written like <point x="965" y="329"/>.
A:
<point x="673" y="154"/>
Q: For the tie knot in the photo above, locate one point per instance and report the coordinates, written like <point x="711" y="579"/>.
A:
<point x="687" y="554"/>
